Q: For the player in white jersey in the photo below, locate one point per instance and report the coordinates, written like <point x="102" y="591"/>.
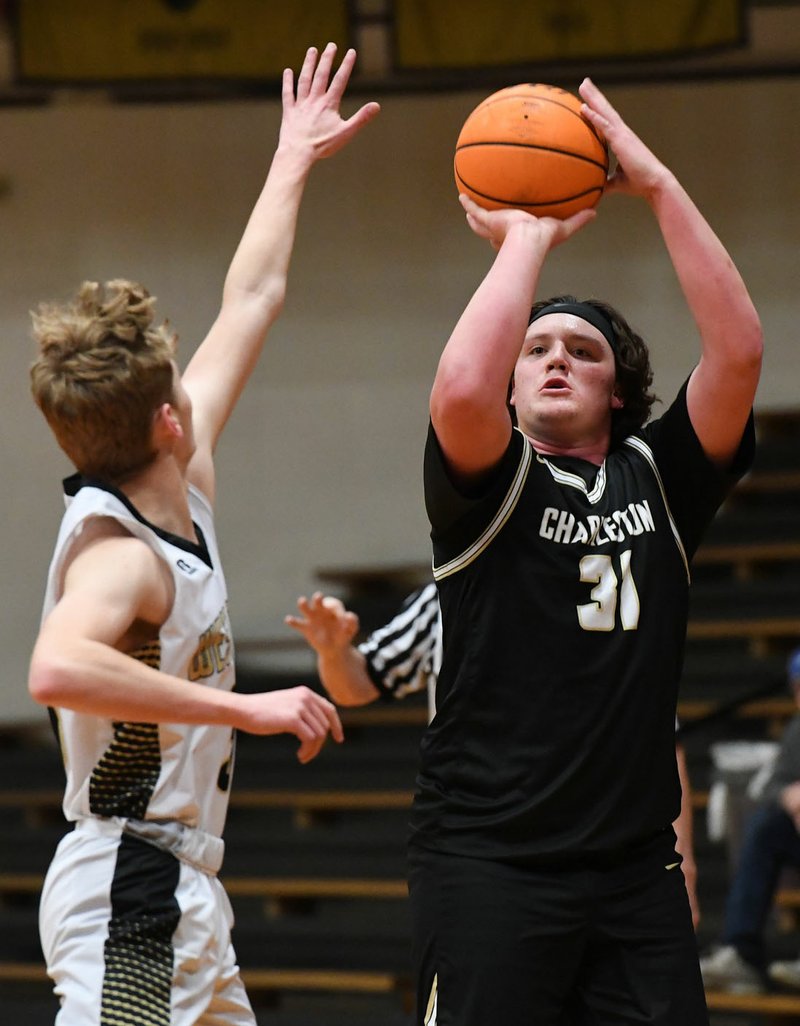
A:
<point x="134" y="655"/>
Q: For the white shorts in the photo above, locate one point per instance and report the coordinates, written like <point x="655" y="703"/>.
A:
<point x="132" y="933"/>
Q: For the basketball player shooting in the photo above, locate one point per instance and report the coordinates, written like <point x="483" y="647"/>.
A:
<point x="134" y="654"/>
<point x="545" y="886"/>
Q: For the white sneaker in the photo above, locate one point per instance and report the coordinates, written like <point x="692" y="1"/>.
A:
<point x="726" y="970"/>
<point x="787" y="973"/>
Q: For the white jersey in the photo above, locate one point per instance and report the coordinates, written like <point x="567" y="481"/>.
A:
<point x="148" y="771"/>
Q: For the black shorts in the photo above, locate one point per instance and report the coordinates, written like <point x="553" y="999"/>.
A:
<point x="599" y="942"/>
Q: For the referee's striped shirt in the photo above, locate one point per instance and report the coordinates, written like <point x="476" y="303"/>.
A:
<point x="405" y="655"/>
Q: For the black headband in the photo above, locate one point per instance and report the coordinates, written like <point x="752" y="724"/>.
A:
<point x="591" y="314"/>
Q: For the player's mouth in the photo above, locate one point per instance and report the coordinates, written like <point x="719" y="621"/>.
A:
<point x="555" y="385"/>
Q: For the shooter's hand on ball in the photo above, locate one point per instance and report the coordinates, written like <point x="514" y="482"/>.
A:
<point x="639" y="172"/>
<point x="494" y="225"/>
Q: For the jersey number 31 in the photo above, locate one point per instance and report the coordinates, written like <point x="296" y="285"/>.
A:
<point x="611" y="591"/>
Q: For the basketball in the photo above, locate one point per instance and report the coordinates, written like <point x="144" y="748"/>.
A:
<point x="529" y="146"/>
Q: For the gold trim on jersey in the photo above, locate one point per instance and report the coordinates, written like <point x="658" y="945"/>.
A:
<point x="124" y="777"/>
<point x="644" y="450"/>
<point x="214" y="652"/>
<point x="149" y="654"/>
<point x="433" y="1001"/>
<point x="504" y="512"/>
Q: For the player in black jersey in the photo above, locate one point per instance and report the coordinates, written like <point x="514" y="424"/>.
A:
<point x="544" y="882"/>
<point x="403" y="657"/>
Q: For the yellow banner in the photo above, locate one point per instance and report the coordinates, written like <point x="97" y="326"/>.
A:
<point x="84" y="41"/>
<point x="474" y="33"/>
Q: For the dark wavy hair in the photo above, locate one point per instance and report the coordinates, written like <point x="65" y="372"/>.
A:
<point x="634" y="373"/>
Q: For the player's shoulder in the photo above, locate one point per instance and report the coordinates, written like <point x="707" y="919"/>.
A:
<point x="105" y="540"/>
<point x="110" y="564"/>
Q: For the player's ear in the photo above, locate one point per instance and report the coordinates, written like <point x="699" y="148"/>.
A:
<point x="617" y="402"/>
<point x="167" y="423"/>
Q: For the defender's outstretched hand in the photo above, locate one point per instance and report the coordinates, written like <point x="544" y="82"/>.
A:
<point x="255" y="285"/>
<point x="639" y="172"/>
<point x="311" y="113"/>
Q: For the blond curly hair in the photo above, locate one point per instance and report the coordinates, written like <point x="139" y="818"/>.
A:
<point x="103" y="370"/>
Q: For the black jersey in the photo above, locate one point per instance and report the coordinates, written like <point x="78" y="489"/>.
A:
<point x="564" y="595"/>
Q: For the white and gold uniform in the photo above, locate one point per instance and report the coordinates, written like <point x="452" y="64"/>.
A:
<point x="135" y="926"/>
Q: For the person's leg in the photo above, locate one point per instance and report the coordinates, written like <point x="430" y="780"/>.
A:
<point x="74" y="913"/>
<point x="128" y="928"/>
<point x="641" y="964"/>
<point x="145" y="913"/>
<point x="108" y="913"/>
<point x="770" y="842"/>
<point x="493" y="943"/>
<point x="207" y="986"/>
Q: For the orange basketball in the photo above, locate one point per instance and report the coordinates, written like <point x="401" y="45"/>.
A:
<point x="529" y="146"/>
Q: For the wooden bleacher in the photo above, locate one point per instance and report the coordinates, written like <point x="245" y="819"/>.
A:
<point x="744" y="560"/>
<point x="260" y="981"/>
<point x="768" y="1007"/>
<point x="757" y="629"/>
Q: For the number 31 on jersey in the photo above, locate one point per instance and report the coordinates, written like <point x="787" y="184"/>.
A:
<point x="612" y="593"/>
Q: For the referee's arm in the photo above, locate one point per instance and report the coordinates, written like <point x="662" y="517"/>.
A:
<point x="329" y="628"/>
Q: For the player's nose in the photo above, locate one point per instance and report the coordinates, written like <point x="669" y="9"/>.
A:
<point x="557" y="357"/>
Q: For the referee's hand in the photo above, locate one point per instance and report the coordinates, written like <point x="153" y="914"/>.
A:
<point x="324" y="622"/>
